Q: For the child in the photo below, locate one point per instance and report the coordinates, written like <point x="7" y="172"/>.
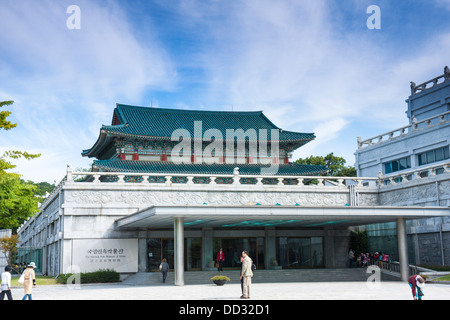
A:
<point x="6" y="284"/>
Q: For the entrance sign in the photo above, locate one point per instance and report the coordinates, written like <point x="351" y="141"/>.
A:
<point x="120" y="255"/>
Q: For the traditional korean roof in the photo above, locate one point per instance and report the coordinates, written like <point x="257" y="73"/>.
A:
<point x="118" y="165"/>
<point x="158" y="123"/>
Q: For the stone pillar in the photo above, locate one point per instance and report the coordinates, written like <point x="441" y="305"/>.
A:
<point x="142" y="256"/>
<point x="402" y="249"/>
<point x="179" y="251"/>
<point x="207" y="249"/>
<point x="270" y="250"/>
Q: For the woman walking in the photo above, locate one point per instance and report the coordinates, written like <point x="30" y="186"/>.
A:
<point x="164" y="267"/>
<point x="29" y="280"/>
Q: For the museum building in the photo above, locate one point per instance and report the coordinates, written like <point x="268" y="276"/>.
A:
<point x="181" y="184"/>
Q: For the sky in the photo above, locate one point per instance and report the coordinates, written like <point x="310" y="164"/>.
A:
<point x="309" y="65"/>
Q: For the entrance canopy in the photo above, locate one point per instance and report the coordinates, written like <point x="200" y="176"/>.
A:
<point x="249" y="216"/>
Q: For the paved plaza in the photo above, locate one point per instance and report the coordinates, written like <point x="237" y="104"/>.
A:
<point x="387" y="290"/>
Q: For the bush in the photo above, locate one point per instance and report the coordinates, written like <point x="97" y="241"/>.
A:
<point x="220" y="278"/>
<point x="100" y="276"/>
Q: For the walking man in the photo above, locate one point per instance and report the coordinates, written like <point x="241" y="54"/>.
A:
<point x="6" y="284"/>
<point x="246" y="275"/>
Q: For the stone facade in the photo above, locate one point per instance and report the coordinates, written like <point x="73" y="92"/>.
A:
<point x="428" y="115"/>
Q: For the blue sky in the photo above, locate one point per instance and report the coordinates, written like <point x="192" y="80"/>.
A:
<point x="310" y="65"/>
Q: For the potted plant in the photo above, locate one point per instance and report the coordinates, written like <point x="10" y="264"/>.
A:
<point x="220" y="280"/>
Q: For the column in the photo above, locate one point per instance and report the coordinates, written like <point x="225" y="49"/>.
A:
<point x="402" y="249"/>
<point x="142" y="256"/>
<point x="179" y="251"/>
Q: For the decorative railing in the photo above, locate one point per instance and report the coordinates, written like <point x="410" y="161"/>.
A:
<point x="434" y="82"/>
<point x="217" y="180"/>
<point x="289" y="183"/>
<point x="394" y="267"/>
<point x="400" y="132"/>
<point x="415" y="174"/>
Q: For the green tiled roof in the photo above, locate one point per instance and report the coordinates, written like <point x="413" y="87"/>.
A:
<point x="118" y="165"/>
<point x="158" y="122"/>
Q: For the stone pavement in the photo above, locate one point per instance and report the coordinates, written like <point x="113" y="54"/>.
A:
<point x="387" y="290"/>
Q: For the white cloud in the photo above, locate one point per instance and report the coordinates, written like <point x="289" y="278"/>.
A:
<point x="295" y="61"/>
<point x="65" y="83"/>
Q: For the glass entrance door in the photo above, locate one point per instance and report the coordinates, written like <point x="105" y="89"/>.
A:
<point x="299" y="254"/>
<point x="233" y="247"/>
<point x="158" y="249"/>
<point x="294" y="253"/>
<point x="193" y="253"/>
<point x="154" y="254"/>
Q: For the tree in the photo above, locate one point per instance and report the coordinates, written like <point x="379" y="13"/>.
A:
<point x="7" y="125"/>
<point x="335" y="164"/>
<point x="8" y="245"/>
<point x="359" y="241"/>
<point x="17" y="200"/>
<point x="41" y="190"/>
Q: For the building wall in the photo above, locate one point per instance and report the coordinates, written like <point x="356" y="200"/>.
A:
<point x="428" y="239"/>
<point x="3" y="262"/>
<point x="88" y="211"/>
<point x="370" y="159"/>
<point x="430" y="102"/>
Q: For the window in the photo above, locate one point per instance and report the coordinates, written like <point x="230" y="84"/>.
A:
<point x="397" y="165"/>
<point x="433" y="156"/>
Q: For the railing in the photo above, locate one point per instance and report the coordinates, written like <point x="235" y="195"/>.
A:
<point x="225" y="180"/>
<point x="435" y="81"/>
<point x="400" y="132"/>
<point x="415" y="174"/>
<point x="394" y="267"/>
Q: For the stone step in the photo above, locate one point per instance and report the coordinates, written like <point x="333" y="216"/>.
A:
<point x="259" y="276"/>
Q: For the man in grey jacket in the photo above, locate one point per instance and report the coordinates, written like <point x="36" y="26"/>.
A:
<point x="247" y="275"/>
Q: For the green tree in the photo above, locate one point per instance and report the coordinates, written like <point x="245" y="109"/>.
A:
<point x="335" y="165"/>
<point x="42" y="188"/>
<point x="8" y="246"/>
<point x="17" y="200"/>
<point x="359" y="241"/>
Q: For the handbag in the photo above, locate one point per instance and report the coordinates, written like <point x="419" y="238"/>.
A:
<point x="21" y="279"/>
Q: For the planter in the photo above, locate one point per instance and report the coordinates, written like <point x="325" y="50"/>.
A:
<point x="220" y="282"/>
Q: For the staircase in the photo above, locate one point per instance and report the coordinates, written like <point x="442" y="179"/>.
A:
<point x="259" y="276"/>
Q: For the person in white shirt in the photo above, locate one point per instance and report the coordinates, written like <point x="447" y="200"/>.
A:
<point x="6" y="284"/>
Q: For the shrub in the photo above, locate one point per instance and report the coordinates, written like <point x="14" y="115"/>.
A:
<point x="100" y="276"/>
<point x="220" y="278"/>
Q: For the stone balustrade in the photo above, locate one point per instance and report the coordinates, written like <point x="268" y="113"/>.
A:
<point x="219" y="180"/>
<point x="405" y="176"/>
<point x="400" y="132"/>
<point x="433" y="82"/>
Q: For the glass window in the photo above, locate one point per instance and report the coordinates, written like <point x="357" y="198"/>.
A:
<point x="397" y="165"/>
<point x="433" y="155"/>
<point x="430" y="156"/>
<point x="233" y="247"/>
<point x="317" y="252"/>
<point x="295" y="253"/>
<point x="387" y="168"/>
<point x="422" y="159"/>
<point x="193" y="253"/>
